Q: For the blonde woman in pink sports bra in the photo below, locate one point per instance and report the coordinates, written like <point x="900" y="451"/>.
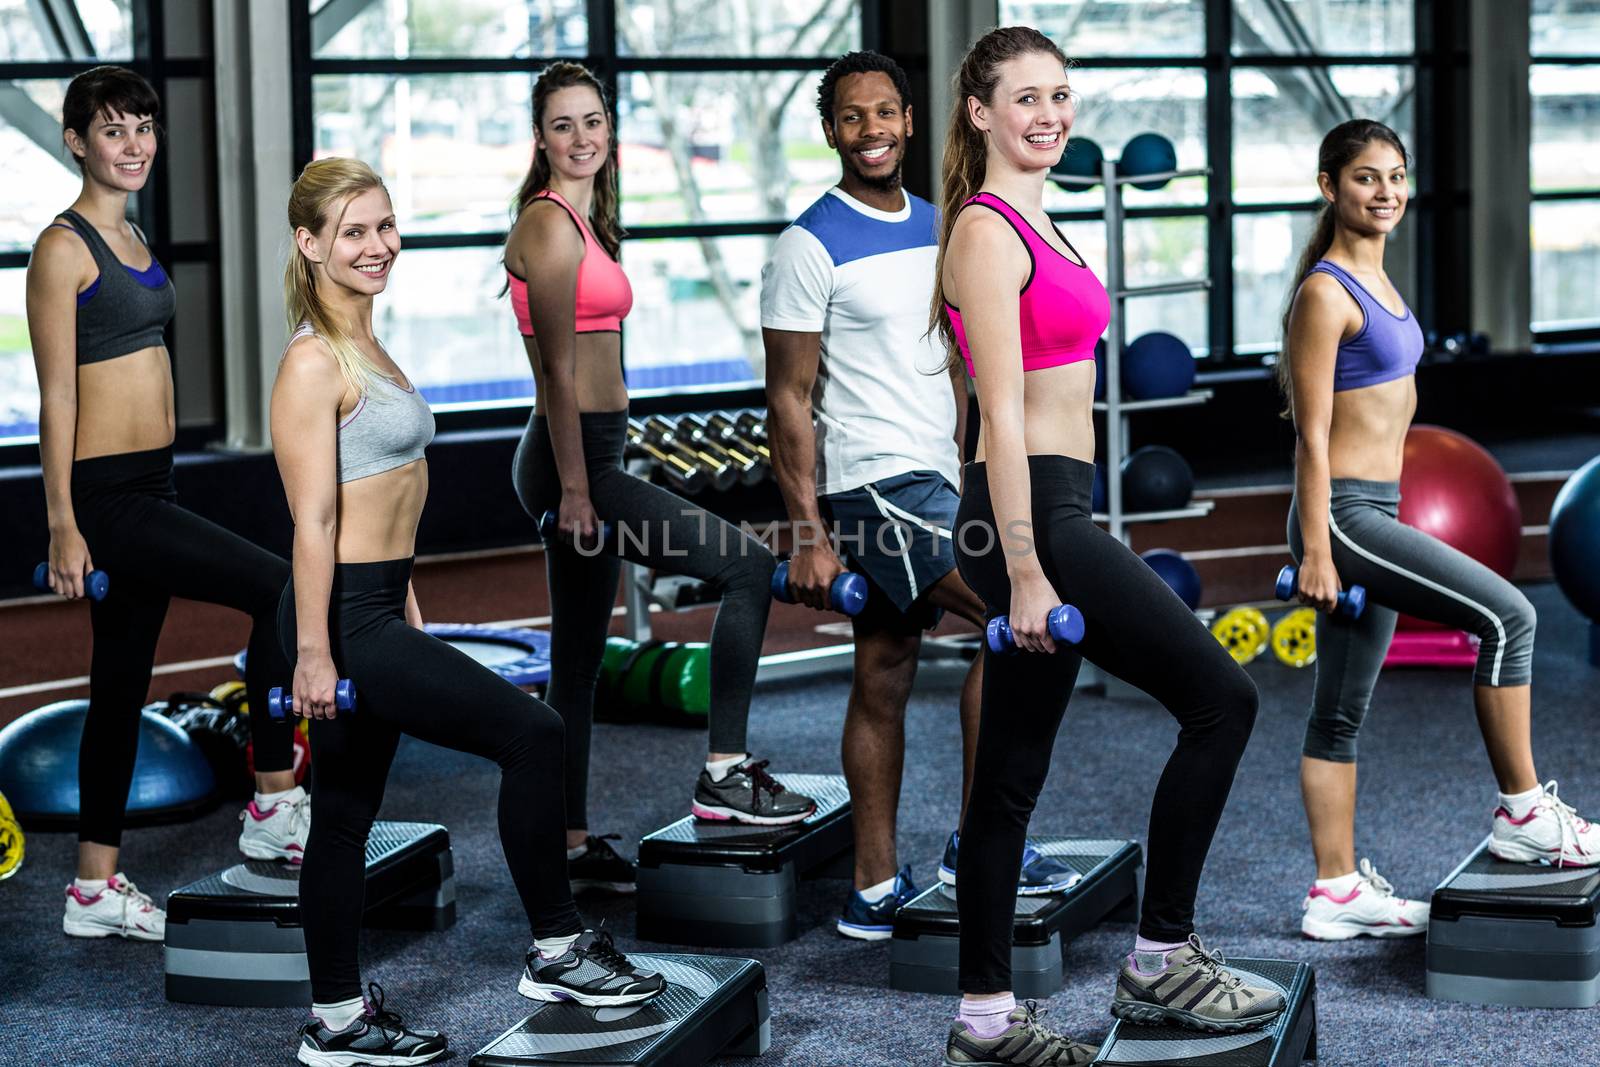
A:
<point x="1024" y="311"/>
<point x="570" y="297"/>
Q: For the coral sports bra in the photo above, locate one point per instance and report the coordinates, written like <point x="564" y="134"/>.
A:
<point x="604" y="296"/>
<point x="1063" y="307"/>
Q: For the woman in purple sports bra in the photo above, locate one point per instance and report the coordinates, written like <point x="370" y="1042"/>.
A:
<point x="1023" y="309"/>
<point x="1350" y="353"/>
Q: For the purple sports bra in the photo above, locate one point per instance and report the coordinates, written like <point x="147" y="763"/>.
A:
<point x="1386" y="347"/>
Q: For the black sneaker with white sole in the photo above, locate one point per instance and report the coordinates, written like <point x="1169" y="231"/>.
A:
<point x="379" y="1037"/>
<point x="748" y="794"/>
<point x="593" y="972"/>
<point x="600" y="867"/>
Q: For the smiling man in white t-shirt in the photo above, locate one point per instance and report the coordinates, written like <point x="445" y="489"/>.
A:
<point x="844" y="313"/>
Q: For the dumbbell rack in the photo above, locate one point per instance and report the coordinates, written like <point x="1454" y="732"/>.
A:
<point x="1116" y="409"/>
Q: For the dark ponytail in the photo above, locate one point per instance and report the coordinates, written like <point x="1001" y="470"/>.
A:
<point x="1339" y="148"/>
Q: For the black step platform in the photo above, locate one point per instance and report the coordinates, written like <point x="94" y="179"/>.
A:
<point x="713" y="1006"/>
<point x="1287" y="1041"/>
<point x="235" y="939"/>
<point x="1515" y="933"/>
<point x="732" y="886"/>
<point x="927" y="934"/>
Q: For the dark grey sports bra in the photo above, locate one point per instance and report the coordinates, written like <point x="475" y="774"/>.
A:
<point x="123" y="310"/>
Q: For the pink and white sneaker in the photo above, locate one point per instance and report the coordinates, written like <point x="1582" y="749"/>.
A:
<point x="279" y="832"/>
<point x="1550" y="833"/>
<point x="118" y="910"/>
<point x="1369" y="909"/>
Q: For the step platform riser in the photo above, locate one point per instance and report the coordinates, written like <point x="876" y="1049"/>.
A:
<point x="924" y="954"/>
<point x="1287" y="1041"/>
<point x="729" y="886"/>
<point x="1521" y="935"/>
<point x="235" y="938"/>
<point x="714" y="1006"/>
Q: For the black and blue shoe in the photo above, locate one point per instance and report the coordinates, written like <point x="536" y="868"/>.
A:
<point x="1040" y="873"/>
<point x="875" y="922"/>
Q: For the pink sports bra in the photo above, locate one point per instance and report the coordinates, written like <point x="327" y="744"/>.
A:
<point x="1063" y="307"/>
<point x="604" y="296"/>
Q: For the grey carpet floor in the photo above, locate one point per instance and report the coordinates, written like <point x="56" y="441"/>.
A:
<point x="1425" y="801"/>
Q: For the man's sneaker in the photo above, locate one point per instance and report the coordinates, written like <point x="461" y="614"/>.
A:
<point x="279" y="832"/>
<point x="1040" y="873"/>
<point x="749" y="794"/>
<point x="875" y="922"/>
<point x="599" y="867"/>
<point x="1369" y="909"/>
<point x="1191" y="987"/>
<point x="1551" y="833"/>
<point x="592" y="972"/>
<point x="118" y="910"/>
<point x="1024" y="1043"/>
<point x="377" y="1037"/>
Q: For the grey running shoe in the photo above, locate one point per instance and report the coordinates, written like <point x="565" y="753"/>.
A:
<point x="1190" y="987"/>
<point x="377" y="1036"/>
<point x="1025" y="1043"/>
<point x="592" y="972"/>
<point x="749" y="794"/>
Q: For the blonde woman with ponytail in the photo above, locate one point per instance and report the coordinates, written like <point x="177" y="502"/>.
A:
<point x="98" y="306"/>
<point x="1016" y="302"/>
<point x="349" y="430"/>
<point x="1348" y="370"/>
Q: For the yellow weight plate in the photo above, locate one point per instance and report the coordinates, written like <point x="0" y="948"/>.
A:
<point x="11" y="841"/>
<point x="1294" y="638"/>
<point x="1243" y="632"/>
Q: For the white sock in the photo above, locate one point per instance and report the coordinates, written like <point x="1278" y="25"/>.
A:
<point x="265" y="801"/>
<point x="90" y="886"/>
<point x="574" y="853"/>
<point x="874" y="893"/>
<point x="339" y="1016"/>
<point x="718" y="769"/>
<point x="551" y="947"/>
<point x="1342" y="884"/>
<point x="1519" y="804"/>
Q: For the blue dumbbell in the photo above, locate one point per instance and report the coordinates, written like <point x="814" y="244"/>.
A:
<point x="96" y="585"/>
<point x="847" y="595"/>
<point x="1352" y="601"/>
<point x="1065" y="623"/>
<point x="280" y="703"/>
<point x="549" y="527"/>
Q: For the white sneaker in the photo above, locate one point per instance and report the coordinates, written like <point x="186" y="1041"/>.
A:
<point x="119" y="909"/>
<point x="278" y="833"/>
<point x="1551" y="833"/>
<point x="1370" y="909"/>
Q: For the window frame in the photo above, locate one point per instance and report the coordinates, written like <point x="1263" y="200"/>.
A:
<point x="1587" y="334"/>
<point x="610" y="65"/>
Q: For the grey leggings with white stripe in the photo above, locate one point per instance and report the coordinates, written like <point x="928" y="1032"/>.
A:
<point x="1403" y="570"/>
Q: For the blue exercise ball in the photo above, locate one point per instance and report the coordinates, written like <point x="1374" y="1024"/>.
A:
<point x="39" y="769"/>
<point x="1575" y="539"/>
<point x="1157" y="365"/>
<point x="1100" y="369"/>
<point x="1082" y="159"/>
<point x="1147" y="153"/>
<point x="1177" y="572"/>
<point x="1097" y="496"/>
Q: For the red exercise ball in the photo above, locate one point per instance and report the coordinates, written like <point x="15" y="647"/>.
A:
<point x="1451" y="488"/>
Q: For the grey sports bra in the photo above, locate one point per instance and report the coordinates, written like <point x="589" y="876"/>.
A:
<point x="390" y="427"/>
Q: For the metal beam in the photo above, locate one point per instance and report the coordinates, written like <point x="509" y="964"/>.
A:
<point x="62" y="29"/>
<point x="332" y="17"/>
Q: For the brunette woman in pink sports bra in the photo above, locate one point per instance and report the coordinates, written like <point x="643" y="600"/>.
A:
<point x="570" y="297"/>
<point x="1024" y="311"/>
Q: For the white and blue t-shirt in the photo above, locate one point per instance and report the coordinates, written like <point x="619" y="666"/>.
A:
<point x="863" y="278"/>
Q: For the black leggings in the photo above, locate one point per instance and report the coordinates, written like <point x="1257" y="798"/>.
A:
<point x="1135" y="628"/>
<point x="153" y="550"/>
<point x="409" y="682"/>
<point x="656" y="529"/>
